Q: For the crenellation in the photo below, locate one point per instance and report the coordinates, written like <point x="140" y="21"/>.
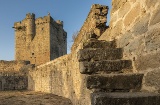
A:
<point x="56" y="24"/>
<point x="41" y="20"/>
<point x="30" y="16"/>
<point x="45" y="19"/>
<point x="17" y="23"/>
<point x="19" y="26"/>
<point x="59" y="22"/>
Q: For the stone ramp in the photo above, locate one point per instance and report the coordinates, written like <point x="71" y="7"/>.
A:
<point x="31" y="98"/>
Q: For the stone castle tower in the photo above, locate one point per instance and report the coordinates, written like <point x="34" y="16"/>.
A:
<point x="39" y="40"/>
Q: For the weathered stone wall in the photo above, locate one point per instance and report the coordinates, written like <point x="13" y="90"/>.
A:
<point x="135" y="25"/>
<point x="58" y="38"/>
<point x="12" y="66"/>
<point x="13" y="81"/>
<point x="39" y="40"/>
<point x="13" y="75"/>
<point x="61" y="77"/>
<point x="94" y="23"/>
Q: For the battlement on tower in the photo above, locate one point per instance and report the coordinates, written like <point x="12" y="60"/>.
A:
<point x="59" y="22"/>
<point x="45" y="19"/>
<point x="30" y="16"/>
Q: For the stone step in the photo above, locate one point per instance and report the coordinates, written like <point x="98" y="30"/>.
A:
<point x="94" y="43"/>
<point x="105" y="66"/>
<point x="136" y="98"/>
<point x="115" y="82"/>
<point x="96" y="54"/>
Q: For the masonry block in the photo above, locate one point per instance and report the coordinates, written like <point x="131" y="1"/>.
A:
<point x="115" y="81"/>
<point x="96" y="54"/>
<point x="94" y="43"/>
<point x="105" y="66"/>
<point x="136" y="98"/>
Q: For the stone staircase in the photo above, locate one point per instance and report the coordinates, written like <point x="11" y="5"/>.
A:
<point x="110" y="77"/>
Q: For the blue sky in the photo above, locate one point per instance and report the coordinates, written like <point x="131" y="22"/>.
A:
<point x="72" y="12"/>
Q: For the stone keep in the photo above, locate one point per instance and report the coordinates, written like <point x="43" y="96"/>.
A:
<point x="39" y="40"/>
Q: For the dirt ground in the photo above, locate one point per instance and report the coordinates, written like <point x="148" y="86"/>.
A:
<point x="31" y="98"/>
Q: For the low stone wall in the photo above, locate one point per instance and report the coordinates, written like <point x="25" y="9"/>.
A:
<point x="12" y="66"/>
<point x="135" y="25"/>
<point x="13" y="75"/>
<point x="13" y="81"/>
<point x="61" y="77"/>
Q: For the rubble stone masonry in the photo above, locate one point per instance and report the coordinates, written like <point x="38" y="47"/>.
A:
<point x="94" y="23"/>
<point x="135" y="25"/>
<point x="13" y="75"/>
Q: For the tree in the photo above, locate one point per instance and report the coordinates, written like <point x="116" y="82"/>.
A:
<point x="74" y="35"/>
